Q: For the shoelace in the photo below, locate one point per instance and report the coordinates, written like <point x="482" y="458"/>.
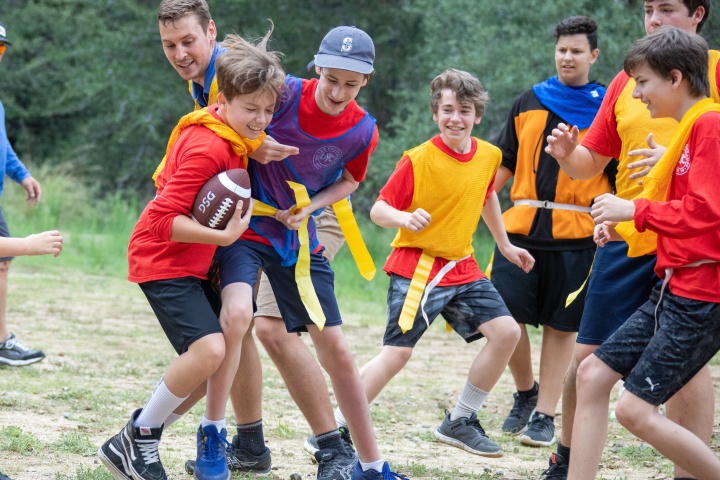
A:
<point x="149" y="450"/>
<point x="14" y="342"/>
<point x="390" y="475"/>
<point x="212" y="446"/>
<point x="475" y="423"/>
<point x="518" y="407"/>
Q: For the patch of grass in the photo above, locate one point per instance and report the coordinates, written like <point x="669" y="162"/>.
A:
<point x="13" y="439"/>
<point x="85" y="473"/>
<point x="284" y="430"/>
<point x="75" y="442"/>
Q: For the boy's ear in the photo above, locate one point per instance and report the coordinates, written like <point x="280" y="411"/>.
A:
<point x="211" y="31"/>
<point x="318" y="70"/>
<point x="478" y="120"/>
<point x="221" y="99"/>
<point x="594" y="55"/>
<point x="676" y="77"/>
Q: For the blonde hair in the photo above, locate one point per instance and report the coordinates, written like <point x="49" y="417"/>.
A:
<point x="247" y="68"/>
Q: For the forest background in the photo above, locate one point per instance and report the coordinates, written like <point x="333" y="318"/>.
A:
<point x="88" y="92"/>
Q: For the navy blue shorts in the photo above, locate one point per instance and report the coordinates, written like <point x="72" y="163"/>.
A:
<point x="658" y="364"/>
<point x="183" y="308"/>
<point x="4" y="232"/>
<point x="464" y="307"/>
<point x="617" y="287"/>
<point x="538" y="297"/>
<point x="239" y="263"/>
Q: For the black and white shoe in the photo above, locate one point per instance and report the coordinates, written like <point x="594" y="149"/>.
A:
<point x="133" y="454"/>
<point x="15" y="353"/>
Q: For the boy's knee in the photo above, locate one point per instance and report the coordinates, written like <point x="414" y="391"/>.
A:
<point x="630" y="415"/>
<point x="272" y="334"/>
<point x="209" y="352"/>
<point x="589" y="373"/>
<point x="505" y="332"/>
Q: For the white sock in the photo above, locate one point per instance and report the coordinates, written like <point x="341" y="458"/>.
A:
<point x="219" y="424"/>
<point x="470" y="401"/>
<point x="161" y="404"/>
<point x="172" y="418"/>
<point x="377" y="465"/>
<point x="340" y="419"/>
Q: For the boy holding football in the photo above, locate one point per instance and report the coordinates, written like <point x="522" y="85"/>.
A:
<point x="169" y="255"/>
<point x="435" y="197"/>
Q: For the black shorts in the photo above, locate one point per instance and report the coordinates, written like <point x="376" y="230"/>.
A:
<point x="239" y="263"/>
<point x="183" y="309"/>
<point x="464" y="307"/>
<point x="656" y="365"/>
<point x="4" y="232"/>
<point x="538" y="297"/>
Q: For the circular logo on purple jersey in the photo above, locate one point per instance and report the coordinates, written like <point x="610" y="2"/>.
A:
<point x="326" y="157"/>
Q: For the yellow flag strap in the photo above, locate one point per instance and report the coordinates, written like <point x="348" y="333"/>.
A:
<point x="571" y="298"/>
<point x="415" y="291"/>
<point x="354" y="239"/>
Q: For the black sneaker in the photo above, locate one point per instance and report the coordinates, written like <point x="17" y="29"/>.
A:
<point x="311" y="445"/>
<point x="133" y="453"/>
<point x="467" y="434"/>
<point x="332" y="465"/>
<point x="241" y="461"/>
<point x="15" y="353"/>
<point x="558" y="468"/>
<point x="540" y="431"/>
<point x="517" y="420"/>
<point x="4" y="477"/>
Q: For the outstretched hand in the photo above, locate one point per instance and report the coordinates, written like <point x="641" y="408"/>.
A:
<point x="562" y="141"/>
<point x="605" y="232"/>
<point x="32" y="187"/>
<point x="45" y="243"/>
<point x="272" y="151"/>
<point x="652" y="155"/>
<point x="609" y="208"/>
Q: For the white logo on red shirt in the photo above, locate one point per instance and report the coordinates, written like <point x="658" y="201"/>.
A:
<point x="684" y="164"/>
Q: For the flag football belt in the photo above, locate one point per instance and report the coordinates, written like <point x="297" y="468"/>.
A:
<point x="552" y="205"/>
<point x="350" y="230"/>
<point x="419" y="283"/>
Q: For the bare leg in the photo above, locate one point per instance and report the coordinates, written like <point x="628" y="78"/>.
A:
<point x="4" y="268"/>
<point x="569" y="394"/>
<point x="246" y="389"/>
<point x="380" y="370"/>
<point x="683" y="448"/>
<point x="693" y="408"/>
<point x="301" y="372"/>
<point x="595" y="381"/>
<point x="502" y="335"/>
<point x="555" y="355"/>
<point x="335" y="357"/>
<point x="235" y="320"/>
<point x="520" y="363"/>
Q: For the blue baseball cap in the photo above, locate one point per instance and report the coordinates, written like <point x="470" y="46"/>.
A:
<point x="346" y="48"/>
<point x="3" y="38"/>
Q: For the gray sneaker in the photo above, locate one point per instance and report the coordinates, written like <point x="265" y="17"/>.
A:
<point x="517" y="420"/>
<point x="540" y="431"/>
<point x="467" y="434"/>
<point x="333" y="465"/>
<point x="15" y="353"/>
<point x="311" y="445"/>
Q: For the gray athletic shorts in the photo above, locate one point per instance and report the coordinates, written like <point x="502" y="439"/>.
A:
<point x="464" y="307"/>
<point x="330" y="236"/>
<point x="658" y="364"/>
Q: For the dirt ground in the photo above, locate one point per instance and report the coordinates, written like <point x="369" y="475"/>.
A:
<point x="106" y="351"/>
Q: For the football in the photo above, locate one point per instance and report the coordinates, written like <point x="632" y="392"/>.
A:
<point x="216" y="200"/>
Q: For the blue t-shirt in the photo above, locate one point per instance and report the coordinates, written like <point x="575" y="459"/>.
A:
<point x="9" y="161"/>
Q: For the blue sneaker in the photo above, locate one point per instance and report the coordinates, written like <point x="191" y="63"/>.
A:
<point x="211" y="463"/>
<point x="386" y="474"/>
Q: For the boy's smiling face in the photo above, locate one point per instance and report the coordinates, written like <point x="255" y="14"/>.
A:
<point x="456" y="121"/>
<point x="187" y="47"/>
<point x="655" y="91"/>
<point x="248" y="114"/>
<point x="671" y="12"/>
<point x="337" y="88"/>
